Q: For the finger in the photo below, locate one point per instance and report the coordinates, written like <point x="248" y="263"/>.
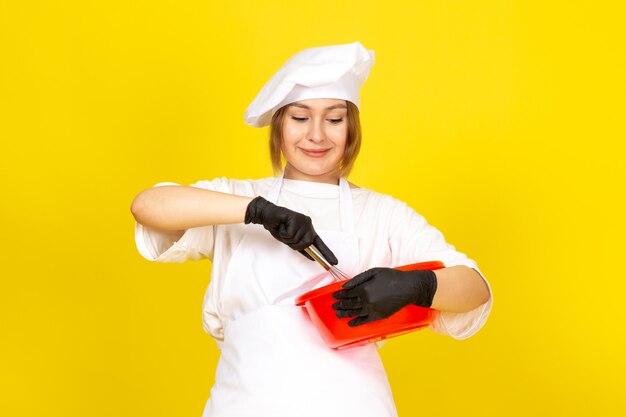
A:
<point x="342" y="314"/>
<point x="324" y="250"/>
<point x="359" y="321"/>
<point x="360" y="278"/>
<point x="343" y="294"/>
<point x="348" y="304"/>
<point x="297" y="238"/>
<point x="286" y="234"/>
<point x="302" y="238"/>
<point x="306" y="254"/>
<point x="295" y="226"/>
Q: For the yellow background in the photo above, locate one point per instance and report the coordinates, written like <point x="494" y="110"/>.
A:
<point x="502" y="122"/>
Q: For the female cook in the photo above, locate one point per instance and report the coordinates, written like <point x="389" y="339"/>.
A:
<point x="273" y="362"/>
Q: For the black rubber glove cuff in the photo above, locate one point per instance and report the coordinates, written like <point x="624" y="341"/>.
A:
<point x="254" y="211"/>
<point x="425" y="284"/>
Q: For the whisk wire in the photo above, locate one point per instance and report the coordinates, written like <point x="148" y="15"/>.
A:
<point x="335" y="272"/>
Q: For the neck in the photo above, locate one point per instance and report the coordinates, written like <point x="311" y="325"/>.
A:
<point x="328" y="178"/>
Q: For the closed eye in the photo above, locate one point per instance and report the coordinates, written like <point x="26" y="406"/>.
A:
<point x="304" y="119"/>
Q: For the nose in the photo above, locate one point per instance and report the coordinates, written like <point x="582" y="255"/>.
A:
<point x="316" y="132"/>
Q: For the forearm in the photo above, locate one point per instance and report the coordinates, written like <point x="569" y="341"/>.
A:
<point x="459" y="289"/>
<point x="181" y="208"/>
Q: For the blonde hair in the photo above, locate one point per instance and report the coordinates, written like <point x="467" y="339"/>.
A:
<point x="353" y="141"/>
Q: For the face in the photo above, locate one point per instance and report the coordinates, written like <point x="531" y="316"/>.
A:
<point x="314" y="139"/>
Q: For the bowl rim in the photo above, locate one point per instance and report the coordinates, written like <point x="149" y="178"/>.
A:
<point x="335" y="286"/>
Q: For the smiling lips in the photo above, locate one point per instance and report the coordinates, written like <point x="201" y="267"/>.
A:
<point x="315" y="153"/>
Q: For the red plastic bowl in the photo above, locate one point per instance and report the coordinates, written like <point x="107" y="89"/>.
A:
<point x="338" y="334"/>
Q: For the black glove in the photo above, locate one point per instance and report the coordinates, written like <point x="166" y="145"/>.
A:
<point x="290" y="227"/>
<point x="379" y="292"/>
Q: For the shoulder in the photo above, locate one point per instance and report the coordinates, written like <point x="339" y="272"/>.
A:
<point x="386" y="211"/>
<point x="373" y="199"/>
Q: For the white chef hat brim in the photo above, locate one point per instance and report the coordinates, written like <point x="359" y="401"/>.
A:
<point x="336" y="71"/>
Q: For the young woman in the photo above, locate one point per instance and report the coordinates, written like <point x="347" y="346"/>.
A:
<point x="273" y="362"/>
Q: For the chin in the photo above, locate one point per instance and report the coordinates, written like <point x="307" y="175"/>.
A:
<point x="321" y="172"/>
<point x="314" y="172"/>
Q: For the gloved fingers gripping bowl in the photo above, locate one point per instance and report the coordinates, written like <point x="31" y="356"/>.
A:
<point x="343" y="319"/>
<point x="378" y="293"/>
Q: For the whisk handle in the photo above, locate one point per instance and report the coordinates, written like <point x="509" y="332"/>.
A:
<point x="316" y="254"/>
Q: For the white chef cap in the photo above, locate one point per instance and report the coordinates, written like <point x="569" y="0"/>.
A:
<point x="336" y="71"/>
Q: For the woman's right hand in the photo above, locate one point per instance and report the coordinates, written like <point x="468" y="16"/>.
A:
<point x="287" y="226"/>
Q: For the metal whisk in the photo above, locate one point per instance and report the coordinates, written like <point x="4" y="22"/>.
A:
<point x="333" y="270"/>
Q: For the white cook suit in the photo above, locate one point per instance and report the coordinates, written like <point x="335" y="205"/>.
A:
<point x="273" y="362"/>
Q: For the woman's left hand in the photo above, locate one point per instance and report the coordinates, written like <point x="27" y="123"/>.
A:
<point x="380" y="292"/>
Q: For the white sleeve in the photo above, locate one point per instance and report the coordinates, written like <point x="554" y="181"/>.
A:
<point x="195" y="244"/>
<point x="413" y="240"/>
